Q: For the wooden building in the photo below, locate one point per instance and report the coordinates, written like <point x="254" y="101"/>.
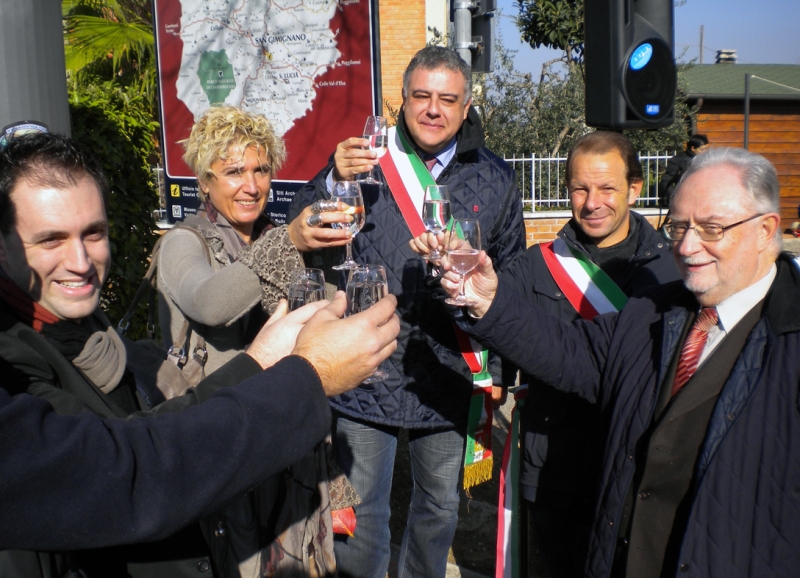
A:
<point x="717" y="91"/>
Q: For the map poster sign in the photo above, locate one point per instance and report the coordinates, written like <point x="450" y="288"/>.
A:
<point x="309" y="66"/>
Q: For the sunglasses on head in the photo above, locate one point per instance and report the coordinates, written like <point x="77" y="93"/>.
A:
<point x="17" y="129"/>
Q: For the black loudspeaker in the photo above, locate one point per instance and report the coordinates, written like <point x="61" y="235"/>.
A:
<point x="630" y="63"/>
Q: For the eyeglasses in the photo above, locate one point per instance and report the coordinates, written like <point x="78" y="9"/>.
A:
<point x="706" y="231"/>
<point x="17" y="129"/>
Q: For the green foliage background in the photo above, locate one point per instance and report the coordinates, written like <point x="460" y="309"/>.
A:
<point x="115" y="124"/>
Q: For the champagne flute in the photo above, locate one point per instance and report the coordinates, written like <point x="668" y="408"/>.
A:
<point x="436" y="213"/>
<point x="376" y="132"/>
<point x="463" y="247"/>
<point x="349" y="193"/>
<point x="305" y="286"/>
<point x="366" y="285"/>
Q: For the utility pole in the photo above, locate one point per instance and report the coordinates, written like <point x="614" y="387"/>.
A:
<point x="473" y="21"/>
<point x="702" y="29"/>
<point x="463" y="28"/>
<point x="34" y="85"/>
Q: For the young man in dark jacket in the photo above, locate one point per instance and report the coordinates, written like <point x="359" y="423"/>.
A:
<point x="699" y="380"/>
<point x="430" y="384"/>
<point x="56" y="344"/>
<point x="560" y="465"/>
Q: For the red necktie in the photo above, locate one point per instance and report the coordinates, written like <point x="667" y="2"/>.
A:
<point x="693" y="347"/>
<point x="430" y="163"/>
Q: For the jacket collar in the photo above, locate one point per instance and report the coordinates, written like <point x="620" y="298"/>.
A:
<point x="468" y="138"/>
<point x="782" y="305"/>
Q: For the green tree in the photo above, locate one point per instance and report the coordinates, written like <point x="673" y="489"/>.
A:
<point x="556" y="24"/>
<point x="115" y="125"/>
<point x="111" y="42"/>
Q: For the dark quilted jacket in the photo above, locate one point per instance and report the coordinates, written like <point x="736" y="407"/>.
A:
<point x="429" y="384"/>
<point x="744" y="508"/>
<point x="560" y="453"/>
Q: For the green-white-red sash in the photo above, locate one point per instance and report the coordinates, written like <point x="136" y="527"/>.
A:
<point x="591" y="292"/>
<point x="407" y="177"/>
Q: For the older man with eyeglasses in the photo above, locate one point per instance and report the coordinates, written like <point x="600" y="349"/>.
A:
<point x="700" y="379"/>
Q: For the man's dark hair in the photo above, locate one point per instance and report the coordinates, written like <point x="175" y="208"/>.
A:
<point x="44" y="159"/>
<point x="696" y="141"/>
<point x="601" y="142"/>
<point x="433" y="57"/>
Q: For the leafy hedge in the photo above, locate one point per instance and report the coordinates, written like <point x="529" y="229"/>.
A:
<point x="115" y="125"/>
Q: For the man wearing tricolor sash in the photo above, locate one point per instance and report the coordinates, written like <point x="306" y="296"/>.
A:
<point x="602" y="255"/>
<point x="438" y="139"/>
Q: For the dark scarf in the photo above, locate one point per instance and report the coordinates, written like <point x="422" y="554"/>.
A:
<point x="91" y="345"/>
<point x="616" y="259"/>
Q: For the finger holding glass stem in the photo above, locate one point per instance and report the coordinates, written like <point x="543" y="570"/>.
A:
<point x="480" y="285"/>
<point x="463" y="245"/>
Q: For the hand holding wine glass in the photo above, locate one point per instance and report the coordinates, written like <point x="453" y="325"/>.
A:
<point x="463" y="245"/>
<point x="376" y="132"/>
<point x="349" y="193"/>
<point x="366" y="285"/>
<point x="436" y="214"/>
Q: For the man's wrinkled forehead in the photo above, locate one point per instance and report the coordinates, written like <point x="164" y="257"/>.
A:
<point x="425" y="80"/>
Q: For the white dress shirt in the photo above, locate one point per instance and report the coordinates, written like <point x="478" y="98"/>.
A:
<point x="734" y="308"/>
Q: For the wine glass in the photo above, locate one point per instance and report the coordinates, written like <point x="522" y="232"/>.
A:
<point x="463" y="245"/>
<point x="305" y="286"/>
<point x="436" y="213"/>
<point x="376" y="132"/>
<point x="366" y="285"/>
<point x="349" y="193"/>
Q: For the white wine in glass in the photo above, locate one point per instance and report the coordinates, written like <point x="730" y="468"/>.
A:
<point x="376" y="132"/>
<point x="463" y="250"/>
<point x="349" y="193"/>
<point x="436" y="213"/>
<point x="305" y="286"/>
<point x="366" y="285"/>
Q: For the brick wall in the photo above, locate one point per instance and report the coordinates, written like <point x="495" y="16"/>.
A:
<point x="402" y="34"/>
<point x="542" y="228"/>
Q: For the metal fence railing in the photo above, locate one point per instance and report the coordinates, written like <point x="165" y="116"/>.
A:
<point x="542" y="180"/>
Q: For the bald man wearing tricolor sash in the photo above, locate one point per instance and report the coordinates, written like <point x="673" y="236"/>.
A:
<point x="440" y="383"/>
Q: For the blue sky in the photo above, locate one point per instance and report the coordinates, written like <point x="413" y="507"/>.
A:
<point x="761" y="32"/>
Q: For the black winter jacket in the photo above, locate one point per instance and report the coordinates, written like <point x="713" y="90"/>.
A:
<point x="87" y="506"/>
<point x="744" y="506"/>
<point x="429" y="383"/>
<point x="560" y="452"/>
<point x="676" y="166"/>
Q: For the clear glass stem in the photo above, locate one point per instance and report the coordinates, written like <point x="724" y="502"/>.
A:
<point x="461" y="295"/>
<point x="349" y="255"/>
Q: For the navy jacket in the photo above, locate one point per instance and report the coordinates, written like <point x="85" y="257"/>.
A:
<point x="79" y="481"/>
<point x="744" y="505"/>
<point x="560" y="453"/>
<point x="429" y="383"/>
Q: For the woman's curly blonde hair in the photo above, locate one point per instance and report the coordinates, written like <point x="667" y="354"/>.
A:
<point x="222" y="128"/>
